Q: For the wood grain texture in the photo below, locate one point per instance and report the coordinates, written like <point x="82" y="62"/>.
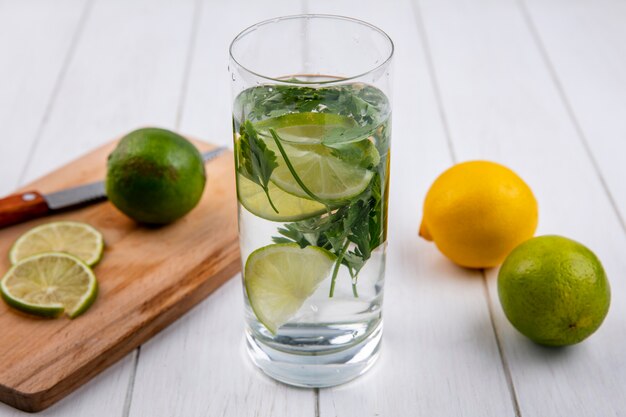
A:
<point x="148" y="278"/>
<point x="503" y="104"/>
<point x="31" y="65"/>
<point x="91" y="399"/>
<point x="126" y="71"/>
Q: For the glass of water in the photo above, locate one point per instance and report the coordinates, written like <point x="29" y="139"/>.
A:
<point x="312" y="126"/>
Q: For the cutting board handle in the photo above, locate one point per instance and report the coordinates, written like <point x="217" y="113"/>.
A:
<point x="21" y="207"/>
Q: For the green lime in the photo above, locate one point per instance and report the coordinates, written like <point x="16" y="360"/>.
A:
<point x="75" y="238"/>
<point x="155" y="176"/>
<point x="279" y="278"/>
<point x="49" y="284"/>
<point x="554" y="290"/>
<point x="306" y="127"/>
<point x="290" y="208"/>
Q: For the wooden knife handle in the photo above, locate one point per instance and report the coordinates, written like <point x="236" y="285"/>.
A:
<point x="21" y="207"/>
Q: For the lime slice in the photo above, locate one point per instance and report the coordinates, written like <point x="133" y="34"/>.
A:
<point x="290" y="208"/>
<point x="279" y="278"/>
<point x="49" y="284"/>
<point x="78" y="239"/>
<point x="305" y="127"/>
<point x="328" y="177"/>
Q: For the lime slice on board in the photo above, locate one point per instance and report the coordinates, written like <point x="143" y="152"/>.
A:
<point x="78" y="239"/>
<point x="279" y="278"/>
<point x="49" y="284"/>
<point x="290" y="208"/>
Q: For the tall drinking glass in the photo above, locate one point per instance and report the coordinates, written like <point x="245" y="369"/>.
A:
<point x="312" y="124"/>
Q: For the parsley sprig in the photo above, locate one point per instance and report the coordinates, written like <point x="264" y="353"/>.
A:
<point x="366" y="106"/>
<point x="352" y="231"/>
<point x="255" y="161"/>
<point x="358" y="224"/>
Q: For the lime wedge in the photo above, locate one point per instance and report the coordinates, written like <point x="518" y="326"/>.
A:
<point x="280" y="277"/>
<point x="49" y="284"/>
<point x="290" y="208"/>
<point x="307" y="127"/>
<point x="78" y="239"/>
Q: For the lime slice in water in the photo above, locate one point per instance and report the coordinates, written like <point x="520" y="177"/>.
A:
<point x="290" y="208"/>
<point x="325" y="175"/>
<point x="333" y="175"/>
<point x="49" y="284"/>
<point x="78" y="239"/>
<point x="308" y="127"/>
<point x="280" y="277"/>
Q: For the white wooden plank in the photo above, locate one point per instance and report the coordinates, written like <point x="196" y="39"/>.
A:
<point x="127" y="73"/>
<point x="198" y="366"/>
<point x="586" y="46"/>
<point x="502" y="104"/>
<point x="439" y="355"/>
<point x="207" y="111"/>
<point x="35" y="41"/>
<point x="98" y="398"/>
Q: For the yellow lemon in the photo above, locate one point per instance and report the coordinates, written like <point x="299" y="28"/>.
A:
<point x="476" y="212"/>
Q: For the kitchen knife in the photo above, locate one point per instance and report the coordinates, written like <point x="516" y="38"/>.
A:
<point x="28" y="205"/>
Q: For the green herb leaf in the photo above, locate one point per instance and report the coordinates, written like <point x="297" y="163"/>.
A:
<point x="362" y="154"/>
<point x="357" y="228"/>
<point x="365" y="105"/>
<point x="341" y="135"/>
<point x="359" y="223"/>
<point x="256" y="162"/>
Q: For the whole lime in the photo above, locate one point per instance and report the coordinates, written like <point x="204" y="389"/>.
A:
<point x="554" y="290"/>
<point x="155" y="176"/>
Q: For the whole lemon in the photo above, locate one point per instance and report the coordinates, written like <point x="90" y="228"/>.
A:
<point x="554" y="290"/>
<point x="155" y="176"/>
<point x="476" y="212"/>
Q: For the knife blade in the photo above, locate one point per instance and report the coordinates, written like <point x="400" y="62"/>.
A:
<point x="31" y="204"/>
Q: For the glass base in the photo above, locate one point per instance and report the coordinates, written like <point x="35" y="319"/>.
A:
<point x="316" y="371"/>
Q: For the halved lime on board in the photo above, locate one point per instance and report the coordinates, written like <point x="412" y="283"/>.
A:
<point x="74" y="238"/>
<point x="290" y="208"/>
<point x="280" y="277"/>
<point x="49" y="284"/>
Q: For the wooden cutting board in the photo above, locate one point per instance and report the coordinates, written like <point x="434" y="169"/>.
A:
<point x="148" y="278"/>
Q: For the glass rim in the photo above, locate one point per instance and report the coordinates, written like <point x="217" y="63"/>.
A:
<point x="255" y="26"/>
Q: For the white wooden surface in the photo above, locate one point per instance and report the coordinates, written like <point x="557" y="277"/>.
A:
<point x="539" y="85"/>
